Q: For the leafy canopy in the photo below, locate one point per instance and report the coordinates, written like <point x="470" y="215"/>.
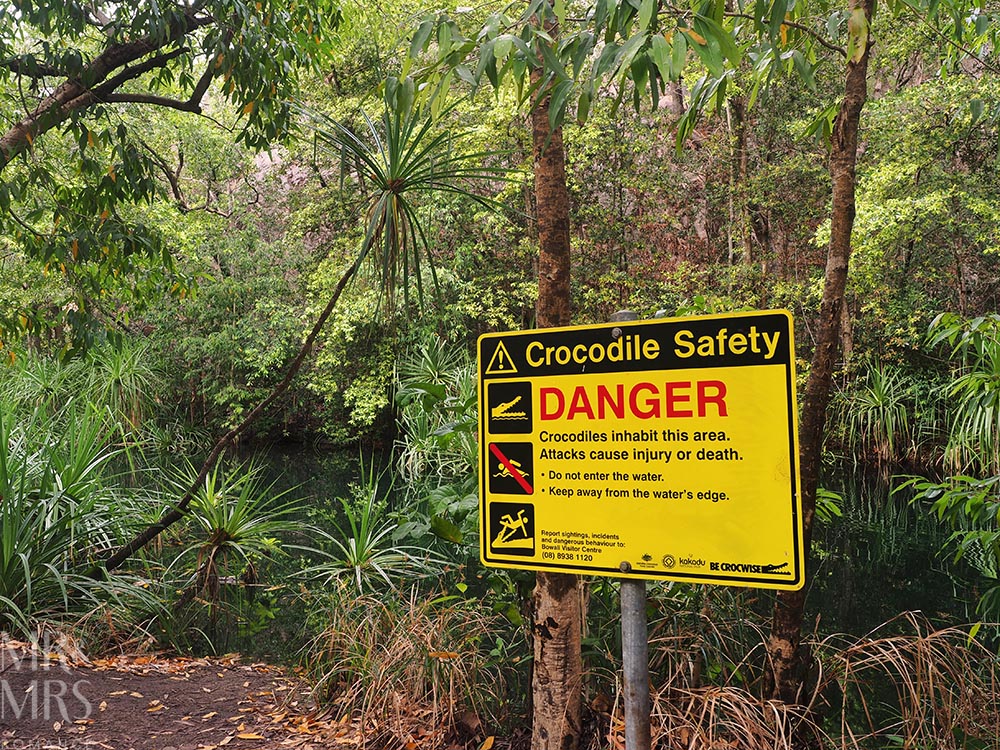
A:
<point x="75" y="79"/>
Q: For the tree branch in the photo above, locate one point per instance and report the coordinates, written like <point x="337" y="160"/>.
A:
<point x="950" y="41"/>
<point x="130" y="73"/>
<point x="178" y="512"/>
<point x="40" y="70"/>
<point x="159" y="101"/>
<point x="75" y="94"/>
<point x="801" y="27"/>
<point x="202" y="86"/>
<point x="173" y="178"/>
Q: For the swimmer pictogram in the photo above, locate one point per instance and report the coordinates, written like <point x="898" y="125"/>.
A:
<point x="512" y="469"/>
<point x="511" y="466"/>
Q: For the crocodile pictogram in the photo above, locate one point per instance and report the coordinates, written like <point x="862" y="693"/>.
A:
<point x="501" y="411"/>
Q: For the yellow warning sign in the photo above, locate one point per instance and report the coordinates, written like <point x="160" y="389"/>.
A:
<point x="500" y="362"/>
<point x="654" y="449"/>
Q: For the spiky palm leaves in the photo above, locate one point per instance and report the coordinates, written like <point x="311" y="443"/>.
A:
<point x="399" y="163"/>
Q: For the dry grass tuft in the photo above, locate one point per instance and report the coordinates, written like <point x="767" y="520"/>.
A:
<point x="724" y="718"/>
<point x="927" y="688"/>
<point x="412" y="670"/>
<point x="905" y="685"/>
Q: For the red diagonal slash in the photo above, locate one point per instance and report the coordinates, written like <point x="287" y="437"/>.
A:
<point x="511" y="468"/>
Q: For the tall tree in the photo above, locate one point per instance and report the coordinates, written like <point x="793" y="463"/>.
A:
<point x="557" y="619"/>
<point x="788" y="659"/>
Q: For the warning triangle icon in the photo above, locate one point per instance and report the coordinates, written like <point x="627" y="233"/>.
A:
<point x="501" y="363"/>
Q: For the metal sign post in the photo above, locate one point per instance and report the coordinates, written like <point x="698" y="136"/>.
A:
<point x="635" y="664"/>
<point x="635" y="644"/>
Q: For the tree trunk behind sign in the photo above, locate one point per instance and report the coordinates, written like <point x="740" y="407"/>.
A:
<point x="557" y="623"/>
<point x="789" y="659"/>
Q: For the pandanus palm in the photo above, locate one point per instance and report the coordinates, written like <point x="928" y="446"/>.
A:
<point x="401" y="162"/>
<point x="405" y="160"/>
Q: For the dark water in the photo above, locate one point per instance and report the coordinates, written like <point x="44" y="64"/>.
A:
<point x="883" y="557"/>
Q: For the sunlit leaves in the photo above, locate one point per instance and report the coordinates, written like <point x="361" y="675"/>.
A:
<point x="641" y="47"/>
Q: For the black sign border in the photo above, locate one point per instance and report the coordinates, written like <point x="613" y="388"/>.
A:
<point x="776" y="320"/>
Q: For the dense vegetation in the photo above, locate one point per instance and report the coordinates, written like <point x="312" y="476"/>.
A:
<point x="169" y="242"/>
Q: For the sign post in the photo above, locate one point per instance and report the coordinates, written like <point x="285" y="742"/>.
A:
<point x="644" y="450"/>
<point x="635" y="640"/>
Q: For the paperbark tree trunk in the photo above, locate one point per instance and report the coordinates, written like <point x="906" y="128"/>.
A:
<point x="789" y="659"/>
<point x="557" y="619"/>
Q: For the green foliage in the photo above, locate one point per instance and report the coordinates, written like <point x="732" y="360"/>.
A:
<point x="224" y="348"/>
<point x="363" y="550"/>
<point x="876" y="414"/>
<point x="971" y="509"/>
<point x="829" y="505"/>
<point x="234" y="528"/>
<point x="438" y="454"/>
<point x="75" y="162"/>
<point x="401" y="161"/>
<point x="974" y="395"/>
<point x="926" y="225"/>
<point x="58" y="513"/>
<point x="238" y="518"/>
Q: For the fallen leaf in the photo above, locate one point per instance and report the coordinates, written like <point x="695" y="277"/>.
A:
<point x="210" y="714"/>
<point x="250" y="736"/>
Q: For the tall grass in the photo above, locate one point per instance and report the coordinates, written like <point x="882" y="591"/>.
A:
<point x="58" y="514"/>
<point x="875" y="415"/>
<point x="365" y="549"/>
<point x="905" y="685"/>
<point x="217" y="584"/>
<point x="974" y="391"/>
<point x="65" y="428"/>
<point x="409" y="666"/>
<point x="436" y="393"/>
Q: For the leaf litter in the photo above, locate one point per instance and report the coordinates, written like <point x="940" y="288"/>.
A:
<point x="156" y="702"/>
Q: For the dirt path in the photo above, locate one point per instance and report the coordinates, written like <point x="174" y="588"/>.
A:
<point x="148" y="703"/>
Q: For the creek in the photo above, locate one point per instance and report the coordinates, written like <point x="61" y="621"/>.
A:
<point x="881" y="557"/>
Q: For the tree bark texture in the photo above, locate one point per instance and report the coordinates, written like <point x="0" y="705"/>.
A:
<point x="557" y="619"/>
<point x="789" y="659"/>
